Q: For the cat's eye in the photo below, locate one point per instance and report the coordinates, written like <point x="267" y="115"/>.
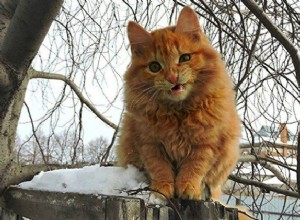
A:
<point x="184" y="57"/>
<point x="154" y="66"/>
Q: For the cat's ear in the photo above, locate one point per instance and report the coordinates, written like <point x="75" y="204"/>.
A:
<point x="137" y="34"/>
<point x="187" y="21"/>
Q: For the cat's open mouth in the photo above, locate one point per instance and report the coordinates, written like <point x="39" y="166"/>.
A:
<point x="177" y="89"/>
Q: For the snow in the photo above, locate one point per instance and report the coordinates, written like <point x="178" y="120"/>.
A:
<point x="93" y="180"/>
<point x="260" y="170"/>
<point x="291" y="161"/>
<point x="273" y="181"/>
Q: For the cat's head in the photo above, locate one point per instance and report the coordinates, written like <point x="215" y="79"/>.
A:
<point x="168" y="64"/>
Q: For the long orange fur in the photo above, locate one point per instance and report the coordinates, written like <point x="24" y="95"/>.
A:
<point x="187" y="136"/>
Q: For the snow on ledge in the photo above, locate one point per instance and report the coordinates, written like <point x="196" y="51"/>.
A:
<point x="93" y="180"/>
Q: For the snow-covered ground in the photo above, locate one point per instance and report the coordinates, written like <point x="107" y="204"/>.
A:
<point x="93" y="180"/>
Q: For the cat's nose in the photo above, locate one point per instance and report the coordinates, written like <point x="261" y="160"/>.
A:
<point x="173" y="79"/>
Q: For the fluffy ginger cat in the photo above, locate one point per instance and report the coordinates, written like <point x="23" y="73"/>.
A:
<point x="180" y="125"/>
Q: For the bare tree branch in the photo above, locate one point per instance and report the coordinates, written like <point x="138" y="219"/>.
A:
<point x="35" y="136"/>
<point x="264" y="186"/>
<point x="54" y="76"/>
<point x="258" y="159"/>
<point x="277" y="33"/>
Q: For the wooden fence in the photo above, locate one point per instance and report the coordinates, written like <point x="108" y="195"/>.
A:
<point x="43" y="205"/>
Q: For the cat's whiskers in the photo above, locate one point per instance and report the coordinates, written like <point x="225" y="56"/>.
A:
<point x="142" y="96"/>
<point x="152" y="100"/>
<point x="139" y="87"/>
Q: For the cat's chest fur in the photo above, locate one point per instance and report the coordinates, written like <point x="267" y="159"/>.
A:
<point x="177" y="133"/>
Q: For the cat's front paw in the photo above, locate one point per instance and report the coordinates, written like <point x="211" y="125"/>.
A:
<point x="163" y="190"/>
<point x="187" y="190"/>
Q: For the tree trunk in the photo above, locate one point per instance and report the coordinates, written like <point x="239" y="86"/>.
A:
<point x="8" y="129"/>
<point x="20" y="38"/>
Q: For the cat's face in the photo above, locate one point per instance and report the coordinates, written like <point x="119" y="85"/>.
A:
<point x="166" y="63"/>
<point x="170" y="66"/>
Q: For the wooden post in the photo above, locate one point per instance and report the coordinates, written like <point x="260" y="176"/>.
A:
<point x="202" y="210"/>
<point x="35" y="204"/>
<point x="8" y="215"/>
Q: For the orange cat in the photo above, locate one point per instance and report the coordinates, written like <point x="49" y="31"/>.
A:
<point x="180" y="124"/>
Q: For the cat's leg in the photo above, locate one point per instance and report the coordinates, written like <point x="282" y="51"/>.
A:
<point x="160" y="171"/>
<point x="128" y="148"/>
<point x="226" y="162"/>
<point x="188" y="184"/>
<point x="127" y="153"/>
